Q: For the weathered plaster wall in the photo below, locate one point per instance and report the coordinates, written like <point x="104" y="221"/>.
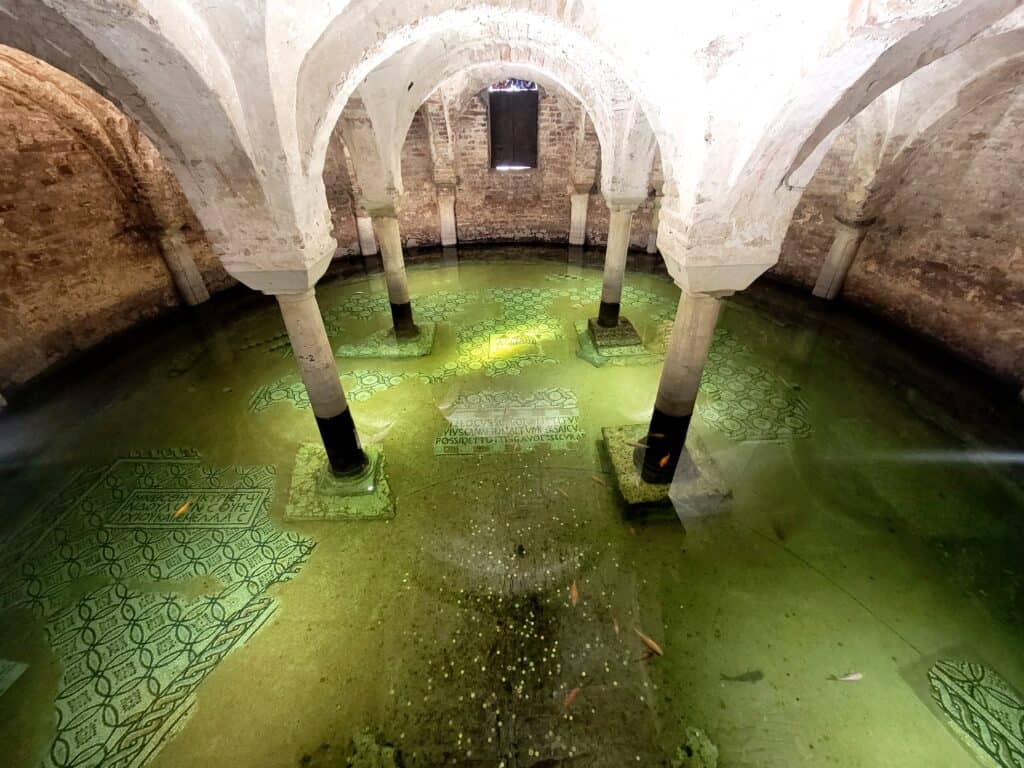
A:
<point x="490" y="206"/>
<point x="945" y="257"/>
<point x="78" y="263"/>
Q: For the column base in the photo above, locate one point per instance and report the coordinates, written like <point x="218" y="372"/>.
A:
<point x="317" y="493"/>
<point x="661" y="448"/>
<point x="341" y="444"/>
<point x="405" y="328"/>
<point x="608" y="314"/>
<point x="599" y="357"/>
<point x="697" y="491"/>
<point x="620" y="334"/>
<point x="388" y="344"/>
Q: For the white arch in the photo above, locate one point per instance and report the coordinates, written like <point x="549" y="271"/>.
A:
<point x="405" y="73"/>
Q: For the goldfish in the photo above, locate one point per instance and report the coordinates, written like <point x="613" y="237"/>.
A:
<point x="663" y="462"/>
<point x="574" y="594"/>
<point x="570" y="697"/>
<point x="653" y="646"/>
<point x="183" y="508"/>
<point x="849" y="677"/>
<point x="598" y="479"/>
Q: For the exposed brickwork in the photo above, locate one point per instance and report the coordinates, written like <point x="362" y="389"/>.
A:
<point x="418" y="215"/>
<point x="338" y="186"/>
<point x="80" y="221"/>
<point x="491" y="205"/>
<point x="945" y="258"/>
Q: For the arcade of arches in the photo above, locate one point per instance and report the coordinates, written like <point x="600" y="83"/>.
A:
<point x="327" y="440"/>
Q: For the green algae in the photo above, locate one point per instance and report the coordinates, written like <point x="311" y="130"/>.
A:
<point x="839" y="552"/>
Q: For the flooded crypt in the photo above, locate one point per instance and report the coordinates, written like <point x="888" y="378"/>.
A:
<point x="393" y="383"/>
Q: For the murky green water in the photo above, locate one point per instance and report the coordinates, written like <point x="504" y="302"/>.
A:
<point x="494" y="619"/>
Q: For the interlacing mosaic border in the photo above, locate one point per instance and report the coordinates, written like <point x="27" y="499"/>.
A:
<point x="134" y="649"/>
<point x="984" y="710"/>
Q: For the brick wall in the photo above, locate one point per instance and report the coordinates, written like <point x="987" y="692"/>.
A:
<point x="492" y="206"/>
<point x="78" y="263"/>
<point x="945" y="258"/>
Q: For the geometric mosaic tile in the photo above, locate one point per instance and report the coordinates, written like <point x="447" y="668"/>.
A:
<point x="132" y="659"/>
<point x="746" y="401"/>
<point x="983" y="709"/>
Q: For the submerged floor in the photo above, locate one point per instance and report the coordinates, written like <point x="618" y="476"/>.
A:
<point x="494" y="619"/>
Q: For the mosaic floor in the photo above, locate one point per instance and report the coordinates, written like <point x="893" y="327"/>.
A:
<point x="170" y="600"/>
<point x="133" y="658"/>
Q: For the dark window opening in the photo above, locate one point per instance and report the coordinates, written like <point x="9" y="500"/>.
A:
<point x="513" y="120"/>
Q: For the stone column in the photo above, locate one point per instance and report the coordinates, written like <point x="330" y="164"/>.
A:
<point x="394" y="272"/>
<point x="652" y="235"/>
<point x="367" y="241"/>
<point x="619" y="221"/>
<point x="446" y="216"/>
<point x="677" y="391"/>
<point x="315" y="357"/>
<point x="186" y="275"/>
<point x="578" y="202"/>
<point x="845" y="245"/>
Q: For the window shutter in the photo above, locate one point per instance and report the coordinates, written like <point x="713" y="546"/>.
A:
<point x="513" y="123"/>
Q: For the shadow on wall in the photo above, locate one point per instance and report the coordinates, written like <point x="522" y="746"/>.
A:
<point x="95" y="235"/>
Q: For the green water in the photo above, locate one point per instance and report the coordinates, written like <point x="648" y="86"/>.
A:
<point x="864" y="536"/>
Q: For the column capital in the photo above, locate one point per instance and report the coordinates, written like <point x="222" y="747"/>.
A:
<point x="854" y="221"/>
<point x="623" y="204"/>
<point x="294" y="297"/>
<point x="382" y="209"/>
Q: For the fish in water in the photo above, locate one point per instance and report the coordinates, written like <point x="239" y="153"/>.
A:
<point x="183" y="508"/>
<point x="653" y="646"/>
<point x="615" y="624"/>
<point x="751" y="676"/>
<point x="849" y="677"/>
<point x="570" y="697"/>
<point x="635" y="444"/>
<point x="598" y="479"/>
<point x="663" y="462"/>
<point x="574" y="594"/>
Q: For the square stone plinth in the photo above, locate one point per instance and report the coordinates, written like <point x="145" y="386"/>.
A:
<point x="385" y="344"/>
<point x="636" y="354"/>
<point x="698" y="489"/>
<point x="621" y="335"/>
<point x="316" y="494"/>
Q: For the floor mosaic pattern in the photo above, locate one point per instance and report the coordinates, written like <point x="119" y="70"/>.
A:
<point x="499" y="422"/>
<point x="743" y="400"/>
<point x="133" y="658"/>
<point x="984" y="710"/>
<point x="746" y="401"/>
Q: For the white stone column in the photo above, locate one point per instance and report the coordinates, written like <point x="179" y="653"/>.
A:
<point x="578" y="202"/>
<point x="182" y="266"/>
<point x="620" y="218"/>
<point x="840" y="258"/>
<point x="446" y="216"/>
<point x="394" y="272"/>
<point x="685" y="356"/>
<point x="315" y="359"/>
<point x="367" y="241"/>
<point x="652" y="235"/>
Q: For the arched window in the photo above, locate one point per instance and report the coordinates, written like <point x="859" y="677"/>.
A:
<point x="513" y="120"/>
